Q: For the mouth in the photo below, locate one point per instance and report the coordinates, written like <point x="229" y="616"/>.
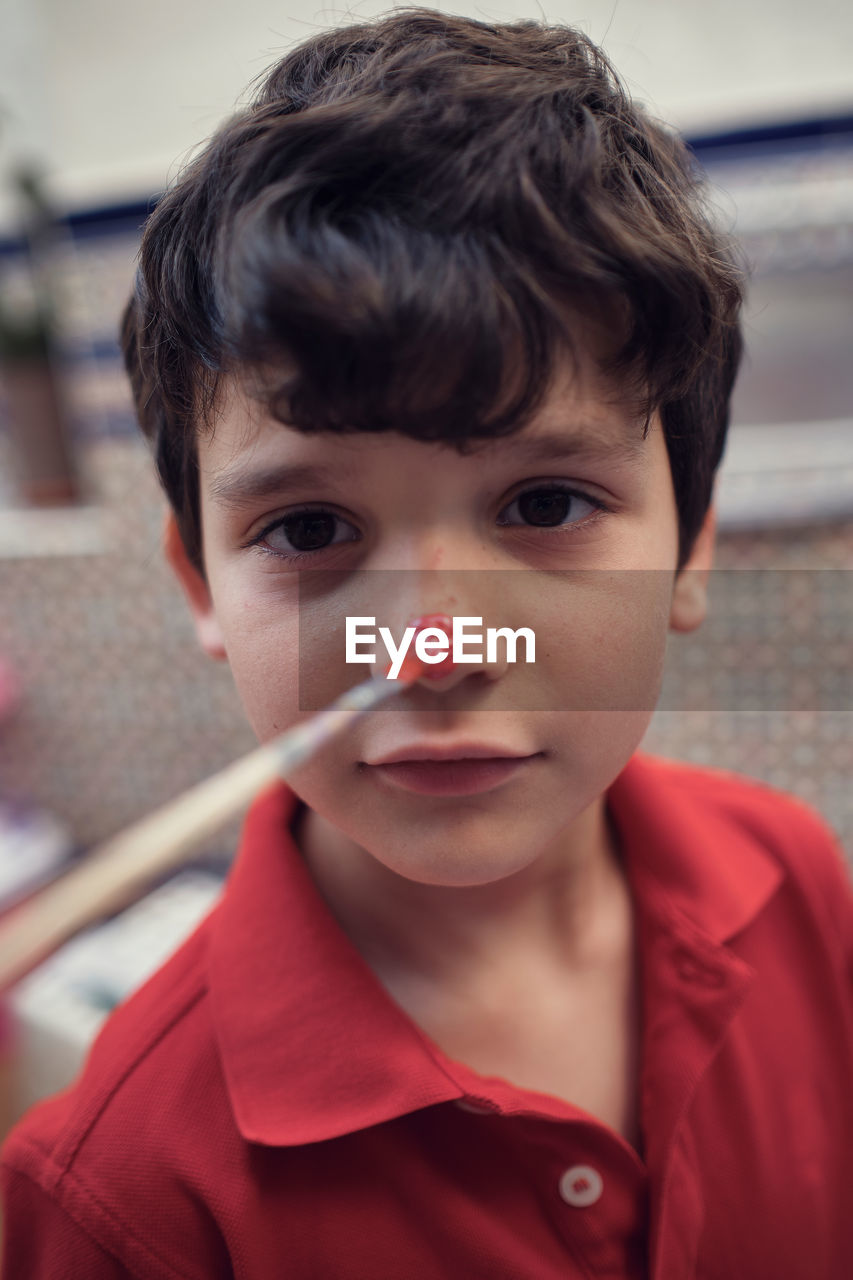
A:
<point x="451" y="771"/>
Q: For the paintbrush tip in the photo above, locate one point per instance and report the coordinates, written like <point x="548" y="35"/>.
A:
<point x="412" y="668"/>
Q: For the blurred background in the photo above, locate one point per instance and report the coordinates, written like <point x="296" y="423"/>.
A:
<point x="107" y="706"/>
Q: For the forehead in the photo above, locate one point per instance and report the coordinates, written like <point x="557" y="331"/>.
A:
<point x="583" y="416"/>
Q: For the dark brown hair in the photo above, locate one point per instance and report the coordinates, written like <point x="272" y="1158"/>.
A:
<point x="392" y="235"/>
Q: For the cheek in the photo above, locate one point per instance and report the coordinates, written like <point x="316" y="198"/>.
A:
<point x="262" y="642"/>
<point x="286" y="650"/>
<point x="607" y="640"/>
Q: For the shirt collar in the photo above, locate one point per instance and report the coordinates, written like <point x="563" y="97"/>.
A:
<point x="693" y="843"/>
<point x="313" y="1046"/>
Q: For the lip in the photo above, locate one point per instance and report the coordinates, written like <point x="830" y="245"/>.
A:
<point x="452" y="777"/>
<point x="457" y="771"/>
<point x="461" y="751"/>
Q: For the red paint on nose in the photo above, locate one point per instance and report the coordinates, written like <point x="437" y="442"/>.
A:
<point x="441" y="622"/>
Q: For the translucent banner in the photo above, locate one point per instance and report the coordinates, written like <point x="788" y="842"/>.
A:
<point x="563" y="640"/>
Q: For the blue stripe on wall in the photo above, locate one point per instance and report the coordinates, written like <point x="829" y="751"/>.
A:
<point x="788" y="137"/>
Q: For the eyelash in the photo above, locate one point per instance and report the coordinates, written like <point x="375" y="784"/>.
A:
<point x="551" y="530"/>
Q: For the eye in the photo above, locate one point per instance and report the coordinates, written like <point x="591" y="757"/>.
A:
<point x="547" y="506"/>
<point x="300" y="534"/>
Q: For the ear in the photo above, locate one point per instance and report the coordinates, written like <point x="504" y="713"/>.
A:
<point x="689" y="603"/>
<point x="194" y="588"/>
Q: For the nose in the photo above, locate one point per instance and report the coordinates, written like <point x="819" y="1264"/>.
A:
<point x="435" y="622"/>
<point x="446" y="671"/>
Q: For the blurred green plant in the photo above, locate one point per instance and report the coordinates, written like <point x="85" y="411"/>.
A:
<point x="26" y="308"/>
<point x="35" y="419"/>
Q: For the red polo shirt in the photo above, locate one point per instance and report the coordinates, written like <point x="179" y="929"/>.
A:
<point x="262" y="1108"/>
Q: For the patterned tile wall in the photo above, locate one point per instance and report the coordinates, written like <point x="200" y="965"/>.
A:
<point x="122" y="711"/>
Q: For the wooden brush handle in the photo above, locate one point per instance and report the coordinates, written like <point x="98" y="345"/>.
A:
<point x="111" y="877"/>
<point x="117" y="871"/>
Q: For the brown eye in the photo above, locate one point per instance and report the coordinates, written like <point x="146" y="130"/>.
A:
<point x="310" y="530"/>
<point x="548" y="506"/>
<point x="545" y="506"/>
<point x="303" y="532"/>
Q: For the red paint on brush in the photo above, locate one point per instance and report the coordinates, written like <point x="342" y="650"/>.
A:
<point x="413" y="667"/>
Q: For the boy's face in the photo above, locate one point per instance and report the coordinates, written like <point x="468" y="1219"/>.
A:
<point x="388" y="502"/>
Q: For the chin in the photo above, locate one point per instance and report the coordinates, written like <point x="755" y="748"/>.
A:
<point x="467" y="869"/>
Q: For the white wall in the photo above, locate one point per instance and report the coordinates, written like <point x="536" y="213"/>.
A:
<point x="113" y="94"/>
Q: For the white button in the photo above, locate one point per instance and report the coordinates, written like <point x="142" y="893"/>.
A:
<point x="464" y="1105"/>
<point x="581" y="1186"/>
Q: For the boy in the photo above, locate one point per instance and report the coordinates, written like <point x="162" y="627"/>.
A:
<point x="443" y="300"/>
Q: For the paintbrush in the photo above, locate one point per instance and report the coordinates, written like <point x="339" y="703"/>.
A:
<point x="115" y="873"/>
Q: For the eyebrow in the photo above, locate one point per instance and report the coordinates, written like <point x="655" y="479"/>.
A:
<point x="242" y="488"/>
<point x="551" y="448"/>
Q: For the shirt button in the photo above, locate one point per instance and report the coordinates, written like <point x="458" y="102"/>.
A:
<point x="464" y="1105"/>
<point x="581" y="1186"/>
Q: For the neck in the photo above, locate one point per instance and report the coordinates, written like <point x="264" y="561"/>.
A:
<point x="564" y="911"/>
